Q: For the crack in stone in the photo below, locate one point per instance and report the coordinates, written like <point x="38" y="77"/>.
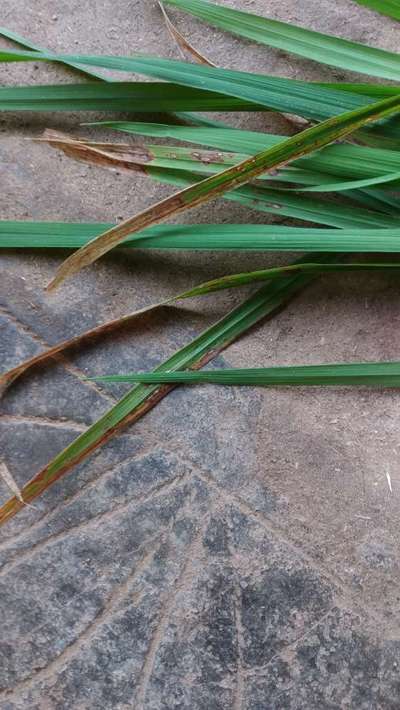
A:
<point x="43" y="421"/>
<point x="60" y="506"/>
<point x="240" y="677"/>
<point x="118" y="594"/>
<point x="348" y="597"/>
<point x="19" y="558"/>
<point x="260" y="671"/>
<point x="180" y="585"/>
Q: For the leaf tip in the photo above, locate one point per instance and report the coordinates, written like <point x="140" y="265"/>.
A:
<point x="54" y="283"/>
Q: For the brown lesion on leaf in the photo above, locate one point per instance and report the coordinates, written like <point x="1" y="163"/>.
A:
<point x="105" y="155"/>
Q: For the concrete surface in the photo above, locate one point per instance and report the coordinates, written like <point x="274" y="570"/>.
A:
<point x="236" y="549"/>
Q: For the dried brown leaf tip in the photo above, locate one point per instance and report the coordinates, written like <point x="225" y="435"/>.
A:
<point x="108" y="155"/>
<point x="182" y="42"/>
<point x="10" y="482"/>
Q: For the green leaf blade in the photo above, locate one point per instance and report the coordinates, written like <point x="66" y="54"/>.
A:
<point x="379" y="374"/>
<point x="321" y="48"/>
<point x="390" y="8"/>
<point x="120" y="96"/>
<point x="258" y="237"/>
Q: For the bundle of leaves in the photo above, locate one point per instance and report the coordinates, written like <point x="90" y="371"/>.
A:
<point x="347" y="152"/>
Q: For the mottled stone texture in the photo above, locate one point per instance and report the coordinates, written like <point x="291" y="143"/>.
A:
<point x="236" y="549"/>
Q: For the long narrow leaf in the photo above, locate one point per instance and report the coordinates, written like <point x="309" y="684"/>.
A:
<point x="125" y="97"/>
<point x="378" y="91"/>
<point x="388" y="181"/>
<point x="376" y="374"/>
<point x="259" y="237"/>
<point x="277" y="156"/>
<point x="307" y="99"/>
<point x="141" y="399"/>
<point x="176" y="158"/>
<point x="304" y="98"/>
<point x="325" y="49"/>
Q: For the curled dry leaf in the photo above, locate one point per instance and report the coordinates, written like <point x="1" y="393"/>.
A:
<point x="182" y="42"/>
<point x="7" y="378"/>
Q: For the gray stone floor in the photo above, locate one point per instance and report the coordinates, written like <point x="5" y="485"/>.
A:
<point x="236" y="548"/>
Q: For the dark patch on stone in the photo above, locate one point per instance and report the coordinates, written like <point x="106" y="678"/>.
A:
<point x="336" y="665"/>
<point x="216" y="538"/>
<point x="56" y="394"/>
<point x="278" y="607"/>
<point x="14" y="345"/>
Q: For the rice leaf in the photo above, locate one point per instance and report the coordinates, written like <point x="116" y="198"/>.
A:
<point x="259" y="198"/>
<point x="372" y="374"/>
<point x="342" y="160"/>
<point x="388" y="180"/>
<point x="226" y="282"/>
<point x="216" y="185"/>
<point x="124" y="97"/>
<point x="172" y="158"/>
<point x="285" y="203"/>
<point x="308" y="99"/>
<point x="377" y="91"/>
<point x="7" y="378"/>
<point x="390" y="8"/>
<point x="325" y="49"/>
<point x="258" y="237"/>
<point x="338" y="159"/>
<point x="142" y="398"/>
<point x="219" y="284"/>
<point x="378" y="200"/>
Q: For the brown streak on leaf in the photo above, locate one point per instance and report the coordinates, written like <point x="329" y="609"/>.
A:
<point x="101" y="154"/>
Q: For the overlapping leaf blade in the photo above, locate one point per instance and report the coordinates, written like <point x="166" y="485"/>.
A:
<point x="377" y="374"/>
<point x="344" y="160"/>
<point x="142" y="398"/>
<point x="309" y="140"/>
<point x="310" y="99"/>
<point x="197" y="353"/>
<point x="382" y="170"/>
<point x="306" y="99"/>
<point x="219" y="284"/>
<point x="257" y="237"/>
